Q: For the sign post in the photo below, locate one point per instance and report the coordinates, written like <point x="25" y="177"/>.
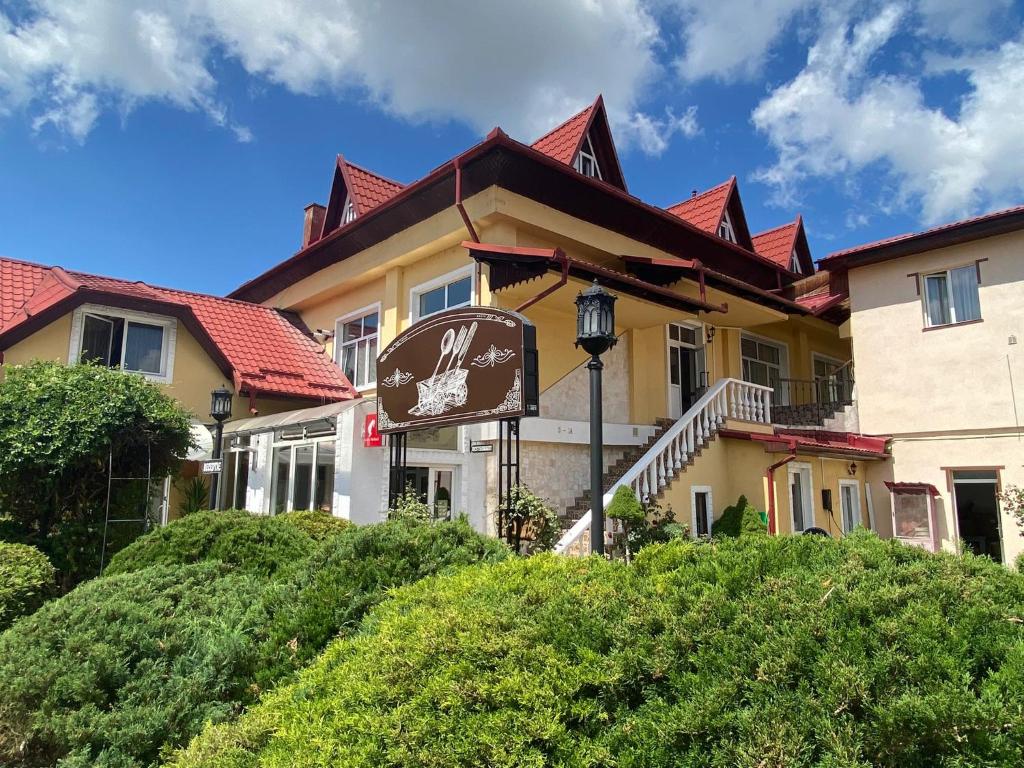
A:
<point x="462" y="366"/>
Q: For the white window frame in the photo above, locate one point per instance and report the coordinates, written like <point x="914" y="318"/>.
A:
<point x="451" y="277"/>
<point x="700" y="346"/>
<point x="947" y="273"/>
<point x="791" y="469"/>
<point x="338" y="344"/>
<point x="859" y="513"/>
<point x="794" y="263"/>
<point x="169" y="325"/>
<point x="292" y="445"/>
<point x="726" y="231"/>
<point x="348" y="211"/>
<point x="694" y="490"/>
<point x="783" y="347"/>
<point x="587" y="152"/>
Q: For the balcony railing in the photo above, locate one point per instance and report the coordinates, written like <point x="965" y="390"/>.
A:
<point x="803" y="401"/>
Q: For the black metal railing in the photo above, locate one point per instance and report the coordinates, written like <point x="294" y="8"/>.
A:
<point x="811" y="401"/>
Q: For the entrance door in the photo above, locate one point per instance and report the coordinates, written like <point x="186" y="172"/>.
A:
<point x="977" y="511"/>
<point x="801" y="498"/>
<point x="687" y="378"/>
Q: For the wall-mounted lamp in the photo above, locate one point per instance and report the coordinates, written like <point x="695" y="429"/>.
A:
<point x="709" y="333"/>
<point x="852" y="469"/>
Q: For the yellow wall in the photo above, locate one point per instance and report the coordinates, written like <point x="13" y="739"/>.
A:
<point x="732" y="467"/>
<point x="49" y="343"/>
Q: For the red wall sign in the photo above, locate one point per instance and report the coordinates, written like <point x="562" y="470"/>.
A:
<point x="371" y="436"/>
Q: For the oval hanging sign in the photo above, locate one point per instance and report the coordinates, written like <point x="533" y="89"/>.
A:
<point x="458" y="367"/>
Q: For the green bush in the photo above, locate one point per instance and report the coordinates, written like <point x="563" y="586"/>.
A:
<point x="319" y="526"/>
<point x="1020" y="563"/>
<point x="351" y="573"/>
<point x="26" y="580"/>
<point x="125" y="666"/>
<point x="741" y="519"/>
<point x="794" y="651"/>
<point x="625" y="506"/>
<point x="262" y="545"/>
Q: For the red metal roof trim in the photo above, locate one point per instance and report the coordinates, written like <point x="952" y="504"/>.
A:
<point x="913" y="488"/>
<point x="844" y="443"/>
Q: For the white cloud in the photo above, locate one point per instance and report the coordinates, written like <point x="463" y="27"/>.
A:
<point x="522" y="65"/>
<point x="962" y="22"/>
<point x="836" y="118"/>
<point x="653" y="135"/>
<point x="730" y="39"/>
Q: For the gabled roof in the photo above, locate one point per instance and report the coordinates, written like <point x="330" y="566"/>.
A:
<point x="976" y="228"/>
<point x="779" y="243"/>
<point x="563" y="143"/>
<point x="262" y="350"/>
<point x="362" y="187"/>
<point x="706" y="210"/>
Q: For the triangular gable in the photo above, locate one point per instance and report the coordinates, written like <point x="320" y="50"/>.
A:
<point x="363" y="188"/>
<point x="564" y="142"/>
<point x="708" y="209"/>
<point x="779" y="243"/>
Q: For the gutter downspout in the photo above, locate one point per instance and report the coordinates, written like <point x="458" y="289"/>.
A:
<point x="769" y="475"/>
<point x="469" y="224"/>
<point x="561" y="258"/>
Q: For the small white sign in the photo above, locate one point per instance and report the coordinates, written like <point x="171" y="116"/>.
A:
<point x="476" y="446"/>
<point x="213" y="467"/>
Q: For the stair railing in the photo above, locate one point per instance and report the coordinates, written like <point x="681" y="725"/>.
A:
<point x="726" y="399"/>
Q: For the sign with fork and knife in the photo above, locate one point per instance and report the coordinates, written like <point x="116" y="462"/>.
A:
<point x="458" y="367"/>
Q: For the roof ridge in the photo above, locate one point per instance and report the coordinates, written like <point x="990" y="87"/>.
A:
<point x="364" y="169"/>
<point x="182" y="291"/>
<point x="566" y="122"/>
<point x="699" y="195"/>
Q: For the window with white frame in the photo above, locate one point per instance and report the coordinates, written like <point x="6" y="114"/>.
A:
<point x="348" y="212"/>
<point x="849" y="504"/>
<point x="702" y="512"/>
<point x="303" y="474"/>
<point x="586" y="160"/>
<point x="356" y="346"/>
<point x="447" y="292"/>
<point x="763" y="362"/>
<point x="129" y="341"/>
<point x="794" y="262"/>
<point x="725" y="229"/>
<point x="951" y="296"/>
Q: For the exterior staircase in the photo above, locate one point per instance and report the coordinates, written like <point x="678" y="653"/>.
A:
<point x="670" y="451"/>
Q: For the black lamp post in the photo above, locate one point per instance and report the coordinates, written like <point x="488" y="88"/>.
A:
<point x="595" y="332"/>
<point x="220" y="409"/>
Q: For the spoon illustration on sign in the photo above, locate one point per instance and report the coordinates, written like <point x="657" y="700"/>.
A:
<point x="446" y="390"/>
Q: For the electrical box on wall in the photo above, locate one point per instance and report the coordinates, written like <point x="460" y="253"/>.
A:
<point x="826" y="499"/>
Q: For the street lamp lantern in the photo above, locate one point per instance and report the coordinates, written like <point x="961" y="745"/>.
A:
<point x="595" y="320"/>
<point x="220" y="409"/>
<point x="595" y="332"/>
<point x="220" y="404"/>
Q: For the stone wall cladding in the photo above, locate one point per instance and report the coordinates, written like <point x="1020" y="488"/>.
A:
<point x="569" y="398"/>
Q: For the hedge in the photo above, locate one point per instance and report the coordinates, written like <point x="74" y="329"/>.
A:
<point x="741" y="519"/>
<point x="260" y="545"/>
<point x="319" y="526"/>
<point x="795" y="651"/>
<point x="125" y="666"/>
<point x="350" y="574"/>
<point x="26" y="580"/>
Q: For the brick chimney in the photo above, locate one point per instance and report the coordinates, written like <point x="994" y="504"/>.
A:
<point x="314" y="223"/>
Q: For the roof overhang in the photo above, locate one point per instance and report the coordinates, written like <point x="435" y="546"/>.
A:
<point x="835" y="445"/>
<point x="301" y="417"/>
<point x="511" y="265"/>
<point x="500" y="161"/>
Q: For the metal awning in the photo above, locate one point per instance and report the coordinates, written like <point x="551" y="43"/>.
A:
<point x="202" y="441"/>
<point x="288" y="418"/>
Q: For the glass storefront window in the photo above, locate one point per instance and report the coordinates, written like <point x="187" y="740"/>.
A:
<point x="304" y="476"/>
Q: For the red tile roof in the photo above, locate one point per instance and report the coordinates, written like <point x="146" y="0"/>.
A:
<point x="705" y="210"/>
<point x="369" y="189"/>
<point x="777" y="244"/>
<point x="561" y="143"/>
<point x="928" y="236"/>
<point x="816" y="441"/>
<point x="265" y="351"/>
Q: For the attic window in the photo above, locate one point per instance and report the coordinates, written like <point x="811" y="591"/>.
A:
<point x="725" y="230"/>
<point x="794" y="263"/>
<point x="348" y="212"/>
<point x="586" y="160"/>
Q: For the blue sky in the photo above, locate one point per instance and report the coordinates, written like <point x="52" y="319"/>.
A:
<point x="144" y="140"/>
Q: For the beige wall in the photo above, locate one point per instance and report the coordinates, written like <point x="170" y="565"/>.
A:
<point x="955" y="378"/>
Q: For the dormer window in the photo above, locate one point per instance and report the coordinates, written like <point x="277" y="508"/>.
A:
<point x="586" y="160"/>
<point x="348" y="213"/>
<point x="794" y="263"/>
<point x="725" y="230"/>
<point x="136" y="342"/>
